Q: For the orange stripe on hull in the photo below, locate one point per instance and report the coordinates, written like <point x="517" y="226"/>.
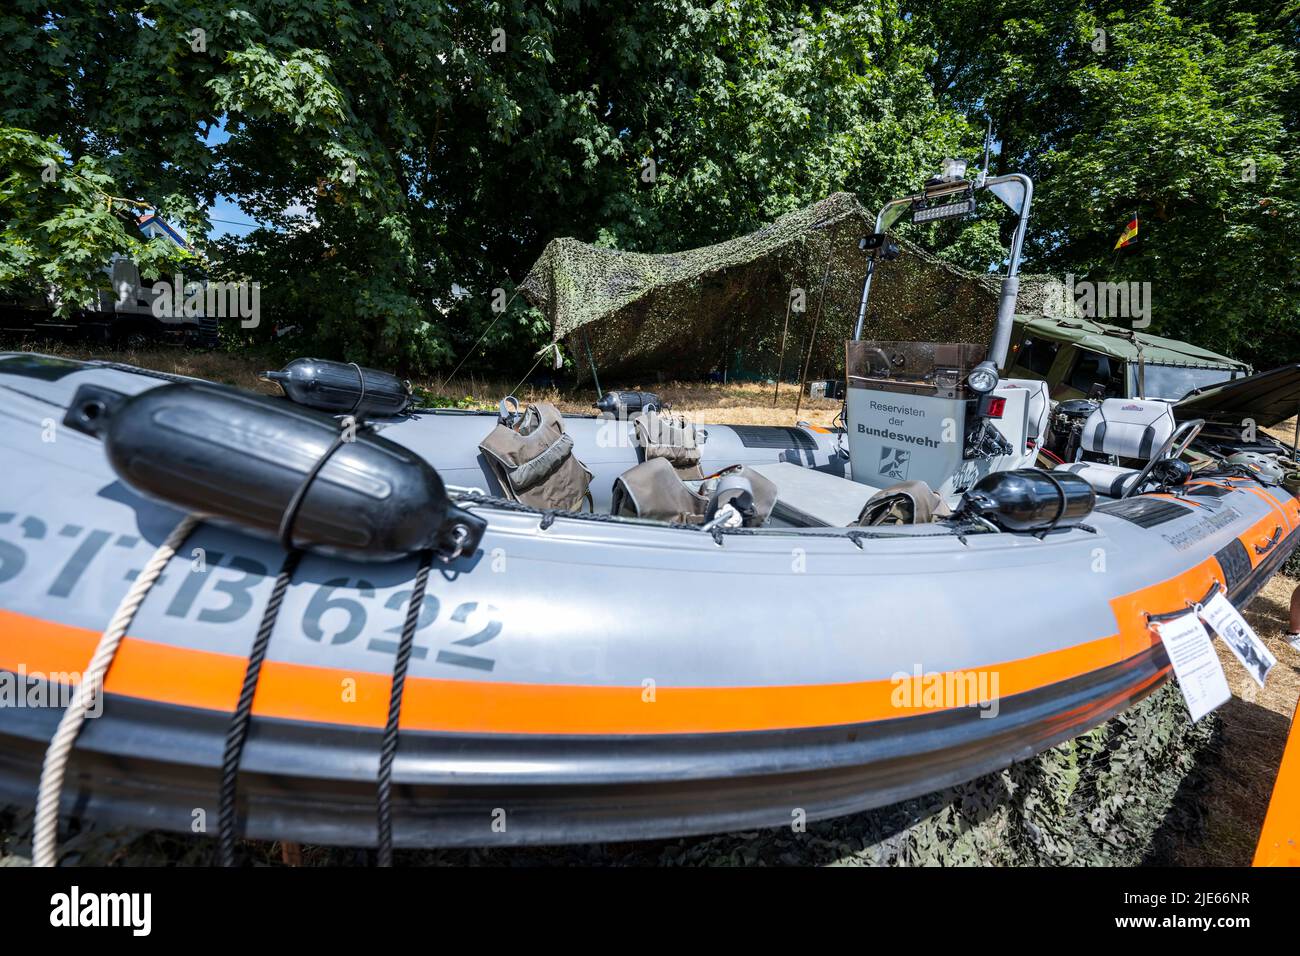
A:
<point x="204" y="679"/>
<point x="1264" y="533"/>
<point x="1135" y="635"/>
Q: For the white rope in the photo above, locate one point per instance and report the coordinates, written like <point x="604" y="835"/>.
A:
<point x="540" y="355"/>
<point x="473" y="347"/>
<point x="46" y="830"/>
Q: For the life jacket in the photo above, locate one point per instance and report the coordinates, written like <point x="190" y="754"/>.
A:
<point x="532" y="458"/>
<point x="671" y="438"/>
<point x="653" y="491"/>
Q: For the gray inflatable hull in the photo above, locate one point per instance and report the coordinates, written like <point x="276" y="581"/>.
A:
<point x="579" y="679"/>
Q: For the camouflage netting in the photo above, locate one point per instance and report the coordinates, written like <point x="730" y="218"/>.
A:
<point x="1122" y="794"/>
<point x="723" y="307"/>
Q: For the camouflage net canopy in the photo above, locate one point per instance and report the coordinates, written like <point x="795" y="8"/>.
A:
<point x="723" y="308"/>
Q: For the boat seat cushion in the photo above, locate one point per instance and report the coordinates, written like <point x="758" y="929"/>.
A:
<point x="807" y="498"/>
<point x="1040" y="406"/>
<point x="1112" y="481"/>
<point x="1128" y="428"/>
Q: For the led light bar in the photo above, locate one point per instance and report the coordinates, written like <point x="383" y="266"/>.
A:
<point x="948" y="210"/>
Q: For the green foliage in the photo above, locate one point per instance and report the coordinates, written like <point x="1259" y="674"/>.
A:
<point x="1183" y="113"/>
<point x="438" y="400"/>
<point x="396" y="153"/>
<point x="441" y="146"/>
<point x="60" y="228"/>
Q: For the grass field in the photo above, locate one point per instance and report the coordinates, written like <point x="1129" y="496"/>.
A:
<point x="737" y="403"/>
<point x="1240" y="770"/>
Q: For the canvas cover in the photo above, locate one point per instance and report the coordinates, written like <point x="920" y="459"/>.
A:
<point x="1116" y="341"/>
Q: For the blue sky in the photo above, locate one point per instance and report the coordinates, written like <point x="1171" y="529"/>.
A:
<point x="228" y="218"/>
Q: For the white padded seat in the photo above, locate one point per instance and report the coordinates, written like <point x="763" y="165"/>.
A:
<point x="1040" y="406"/>
<point x="1126" y="428"/>
<point x="1110" y="480"/>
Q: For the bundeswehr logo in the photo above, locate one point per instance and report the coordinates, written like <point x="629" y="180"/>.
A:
<point x="893" y="462"/>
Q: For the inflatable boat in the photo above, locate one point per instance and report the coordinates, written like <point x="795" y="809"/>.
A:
<point x="334" y="617"/>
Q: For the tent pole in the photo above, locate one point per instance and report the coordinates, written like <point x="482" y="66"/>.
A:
<point x="780" y="362"/>
<point x="1295" y="441"/>
<point x="592" y="360"/>
<point x="812" y="341"/>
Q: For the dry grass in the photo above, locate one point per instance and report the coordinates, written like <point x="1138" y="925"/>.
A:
<point x="738" y="403"/>
<point x="1255" y="727"/>
<point x="1284" y="432"/>
<point x="1255" y="723"/>
<point x="223" y="367"/>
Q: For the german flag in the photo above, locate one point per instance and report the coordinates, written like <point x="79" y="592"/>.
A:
<point x="1129" y="234"/>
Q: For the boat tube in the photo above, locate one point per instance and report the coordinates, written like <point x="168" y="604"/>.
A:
<point x="577" y="677"/>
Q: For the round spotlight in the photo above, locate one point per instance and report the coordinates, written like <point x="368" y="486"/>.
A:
<point x="983" y="378"/>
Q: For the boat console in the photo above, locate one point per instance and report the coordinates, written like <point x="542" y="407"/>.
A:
<point x="939" y="411"/>
<point x="913" y="414"/>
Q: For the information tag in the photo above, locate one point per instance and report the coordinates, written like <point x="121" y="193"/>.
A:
<point x="1240" y="637"/>
<point x="1197" y="667"/>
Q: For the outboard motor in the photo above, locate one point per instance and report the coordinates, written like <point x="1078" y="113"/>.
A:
<point x="1030" y="499"/>
<point x="1065" y="432"/>
<point x="625" y="404"/>
<point x="342" y="388"/>
<point x="276" y="470"/>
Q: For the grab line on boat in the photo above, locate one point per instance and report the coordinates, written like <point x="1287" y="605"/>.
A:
<point x="45" y="832"/>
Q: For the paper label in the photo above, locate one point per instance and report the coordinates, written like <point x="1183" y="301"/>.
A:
<point x="1240" y="637"/>
<point x="1197" y="667"/>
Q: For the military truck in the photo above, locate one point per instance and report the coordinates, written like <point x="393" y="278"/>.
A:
<point x="1078" y="358"/>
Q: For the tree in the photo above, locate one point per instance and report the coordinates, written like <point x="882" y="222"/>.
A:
<point x="1181" y="113"/>
<point x="61" y="227"/>
<point x="400" y="152"/>
<point x="438" y="146"/>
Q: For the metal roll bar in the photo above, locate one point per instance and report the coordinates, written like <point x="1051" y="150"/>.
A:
<point x="1191" y="428"/>
<point x="1016" y="191"/>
